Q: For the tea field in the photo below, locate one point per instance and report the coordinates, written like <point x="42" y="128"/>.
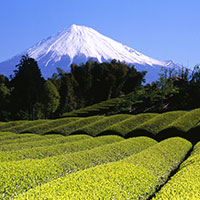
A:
<point x="144" y="156"/>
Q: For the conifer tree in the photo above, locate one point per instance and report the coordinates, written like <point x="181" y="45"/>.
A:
<point x="28" y="87"/>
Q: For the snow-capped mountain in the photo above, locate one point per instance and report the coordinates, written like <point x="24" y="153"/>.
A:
<point x="78" y="44"/>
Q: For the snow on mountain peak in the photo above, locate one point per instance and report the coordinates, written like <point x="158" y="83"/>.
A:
<point x="77" y="44"/>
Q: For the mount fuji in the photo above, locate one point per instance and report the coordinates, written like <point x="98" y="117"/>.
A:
<point x="78" y="44"/>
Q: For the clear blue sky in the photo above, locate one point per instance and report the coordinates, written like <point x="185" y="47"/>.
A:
<point x="161" y="29"/>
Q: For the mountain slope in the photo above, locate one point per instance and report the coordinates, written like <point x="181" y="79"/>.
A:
<point x="78" y="44"/>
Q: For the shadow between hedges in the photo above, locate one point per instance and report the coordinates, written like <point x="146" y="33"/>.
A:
<point x="140" y="132"/>
<point x="192" y="135"/>
<point x="80" y="132"/>
<point x="109" y="132"/>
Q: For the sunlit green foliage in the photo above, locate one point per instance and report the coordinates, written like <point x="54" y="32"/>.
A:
<point x="128" y="125"/>
<point x="187" y="121"/>
<point x="185" y="183"/>
<point x="13" y="136"/>
<point x="41" y="143"/>
<point x="44" y="128"/>
<point x="160" y="122"/>
<point x="28" y="137"/>
<point x="11" y="124"/>
<point x="99" y="108"/>
<point x="99" y="126"/>
<point x="30" y="173"/>
<point x="135" y="177"/>
<point x="69" y="128"/>
<point x="53" y="150"/>
<point x="21" y="127"/>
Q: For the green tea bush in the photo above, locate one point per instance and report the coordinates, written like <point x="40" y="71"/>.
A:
<point x="21" y="127"/>
<point x="187" y="121"/>
<point x="53" y="150"/>
<point x="74" y="126"/>
<point x="41" y="143"/>
<point x="135" y="177"/>
<point x="97" y="127"/>
<point x="99" y="108"/>
<point x="11" y="124"/>
<point x="3" y="134"/>
<point x="159" y="123"/>
<point x="126" y="126"/>
<point x="28" y="138"/>
<point x="30" y="173"/>
<point x="185" y="183"/>
<point x="14" y="136"/>
<point x="44" y="128"/>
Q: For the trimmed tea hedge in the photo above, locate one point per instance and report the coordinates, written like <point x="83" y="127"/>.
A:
<point x="183" y="125"/>
<point x="14" y="136"/>
<point x="135" y="177"/>
<point x="53" y="150"/>
<point x="126" y="126"/>
<point x="158" y="123"/>
<point x="74" y="126"/>
<point x="29" y="137"/>
<point x="99" y="108"/>
<point x="41" y="143"/>
<point x="11" y="124"/>
<point x="185" y="184"/>
<point x="44" y="128"/>
<point x="99" y="126"/>
<point x="21" y="127"/>
<point x="28" y="174"/>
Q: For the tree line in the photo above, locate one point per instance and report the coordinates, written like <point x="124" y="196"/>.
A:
<point x="176" y="89"/>
<point x="27" y="95"/>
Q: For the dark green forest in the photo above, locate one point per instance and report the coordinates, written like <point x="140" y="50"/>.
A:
<point x="27" y="95"/>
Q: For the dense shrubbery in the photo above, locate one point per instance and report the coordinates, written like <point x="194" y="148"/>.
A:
<point x="23" y="126"/>
<point x="86" y="142"/>
<point x="185" y="183"/>
<point x="30" y="173"/>
<point x="10" y="136"/>
<point x="128" y="125"/>
<point x="72" y="127"/>
<point x="159" y="126"/>
<point x="135" y="177"/>
<point x="96" y="128"/>
<point x="41" y="143"/>
<point x="44" y="128"/>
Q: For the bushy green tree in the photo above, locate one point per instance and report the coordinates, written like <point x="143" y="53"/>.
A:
<point x="51" y="99"/>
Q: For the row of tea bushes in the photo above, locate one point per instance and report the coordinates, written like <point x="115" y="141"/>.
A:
<point x="12" y="136"/>
<point x="43" y="128"/>
<point x="17" y="177"/>
<point x="96" y="109"/>
<point x="136" y="177"/>
<point x="158" y="126"/>
<point x="12" y="124"/>
<point x="72" y="127"/>
<point x="185" y="184"/>
<point x="128" y="125"/>
<point x="96" y="128"/>
<point x="53" y="150"/>
<point x="29" y="137"/>
<point x="23" y="126"/>
<point x="159" y="122"/>
<point x="41" y="143"/>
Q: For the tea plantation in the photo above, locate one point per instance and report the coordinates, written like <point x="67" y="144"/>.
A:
<point x="123" y="156"/>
